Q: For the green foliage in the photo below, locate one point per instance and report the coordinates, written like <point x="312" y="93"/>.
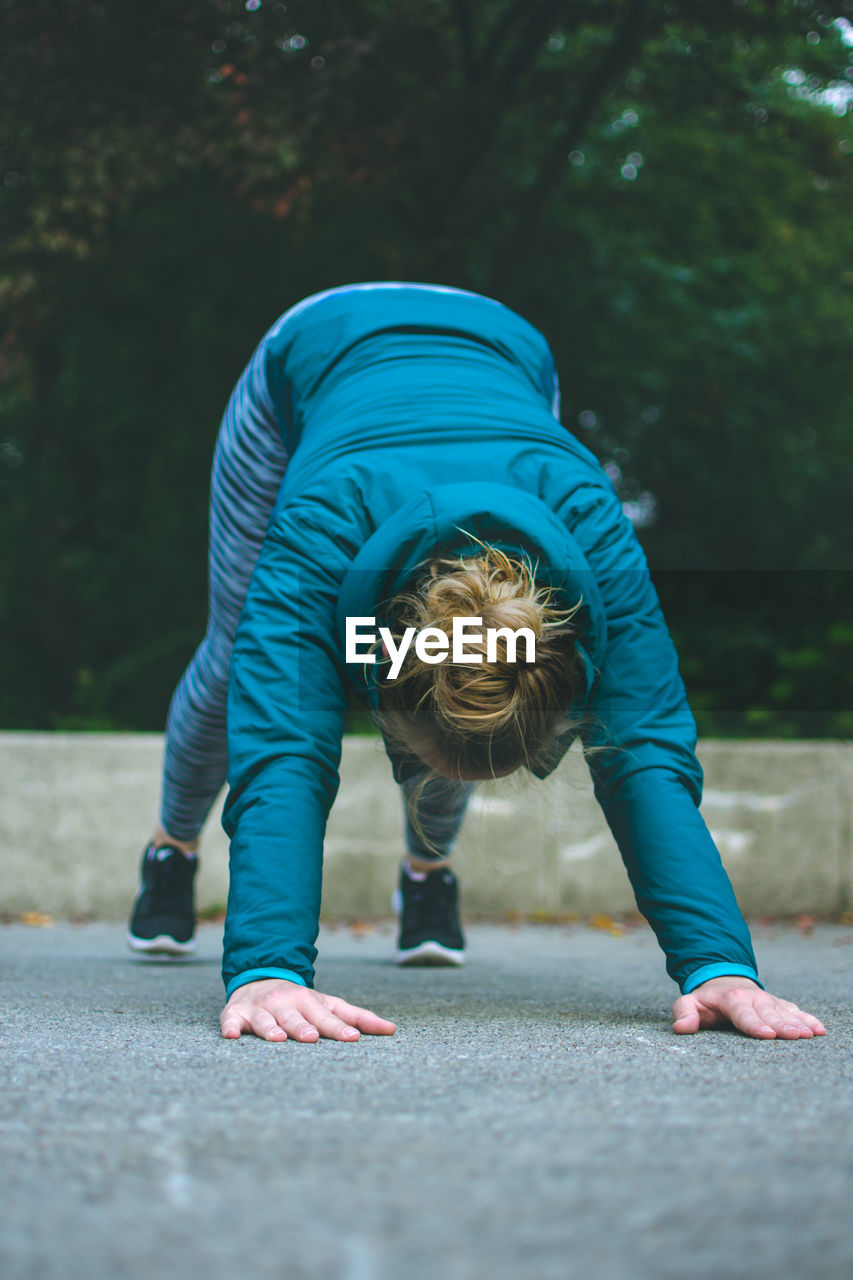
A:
<point x="764" y="652"/>
<point x="664" y="188"/>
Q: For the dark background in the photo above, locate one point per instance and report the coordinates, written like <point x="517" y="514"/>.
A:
<point x="665" y="189"/>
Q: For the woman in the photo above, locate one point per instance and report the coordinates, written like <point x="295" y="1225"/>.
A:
<point x="393" y="454"/>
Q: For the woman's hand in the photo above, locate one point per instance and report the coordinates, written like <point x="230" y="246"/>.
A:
<point x="741" y="1003"/>
<point x="275" y="1009"/>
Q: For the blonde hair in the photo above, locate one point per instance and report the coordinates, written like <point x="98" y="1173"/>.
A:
<point x="490" y="717"/>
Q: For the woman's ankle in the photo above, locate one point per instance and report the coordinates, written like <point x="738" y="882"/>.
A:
<point x="161" y="838"/>
<point x="420" y="866"/>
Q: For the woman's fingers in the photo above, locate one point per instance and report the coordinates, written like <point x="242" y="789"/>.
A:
<point x="742" y="1014"/>
<point x="297" y="1027"/>
<point x="783" y="1017"/>
<point x="797" y="1016"/>
<point x="310" y="1019"/>
<point x="233" y="1022"/>
<point x="364" y="1019"/>
<point x="746" y="1007"/>
<point x="760" y="1014"/>
<point x="814" y="1024"/>
<point x="266" y="1026"/>
<point x="687" y="1016"/>
<point x="276" y="1009"/>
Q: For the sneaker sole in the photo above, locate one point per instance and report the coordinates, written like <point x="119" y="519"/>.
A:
<point x="431" y="954"/>
<point x="162" y="945"/>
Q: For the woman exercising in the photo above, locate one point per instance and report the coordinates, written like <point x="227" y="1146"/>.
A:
<point x="395" y="504"/>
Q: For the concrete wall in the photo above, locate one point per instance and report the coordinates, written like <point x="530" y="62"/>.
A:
<point x="75" y="810"/>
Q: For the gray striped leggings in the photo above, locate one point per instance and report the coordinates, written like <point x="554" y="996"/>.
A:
<point x="248" y="466"/>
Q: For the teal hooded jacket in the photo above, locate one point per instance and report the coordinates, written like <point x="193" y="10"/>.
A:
<point x="420" y="422"/>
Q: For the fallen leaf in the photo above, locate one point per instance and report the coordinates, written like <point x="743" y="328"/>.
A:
<point x="37" y="919"/>
<point x="806" y="924"/>
<point x="552" y="917"/>
<point x="606" y="925"/>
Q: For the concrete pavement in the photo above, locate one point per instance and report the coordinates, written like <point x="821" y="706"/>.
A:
<point x="533" y="1116"/>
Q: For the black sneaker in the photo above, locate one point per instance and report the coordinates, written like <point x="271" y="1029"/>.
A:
<point x="429" y="920"/>
<point x="163" y="917"/>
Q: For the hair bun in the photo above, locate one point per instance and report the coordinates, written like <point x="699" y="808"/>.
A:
<point x="496" y="714"/>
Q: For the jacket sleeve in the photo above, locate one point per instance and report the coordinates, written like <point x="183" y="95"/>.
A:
<point x="286" y="712"/>
<point x="639" y="739"/>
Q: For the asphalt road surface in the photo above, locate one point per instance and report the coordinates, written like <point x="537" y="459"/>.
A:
<point x="534" y="1116"/>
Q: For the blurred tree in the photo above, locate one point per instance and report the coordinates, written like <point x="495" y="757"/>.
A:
<point x="664" y="188"/>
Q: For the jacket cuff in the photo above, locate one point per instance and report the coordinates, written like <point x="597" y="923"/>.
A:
<point x="254" y="975"/>
<point x="719" y="970"/>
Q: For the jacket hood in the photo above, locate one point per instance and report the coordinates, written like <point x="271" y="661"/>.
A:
<point x="451" y="519"/>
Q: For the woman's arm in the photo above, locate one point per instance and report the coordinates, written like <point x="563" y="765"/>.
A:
<point x="285" y="721"/>
<point x="640" y="741"/>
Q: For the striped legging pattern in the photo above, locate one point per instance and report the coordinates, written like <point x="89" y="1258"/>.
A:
<point x="248" y="467"/>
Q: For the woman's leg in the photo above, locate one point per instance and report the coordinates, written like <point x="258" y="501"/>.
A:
<point x="427" y="898"/>
<point x="248" y="466"/>
<point x="434" y="812"/>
